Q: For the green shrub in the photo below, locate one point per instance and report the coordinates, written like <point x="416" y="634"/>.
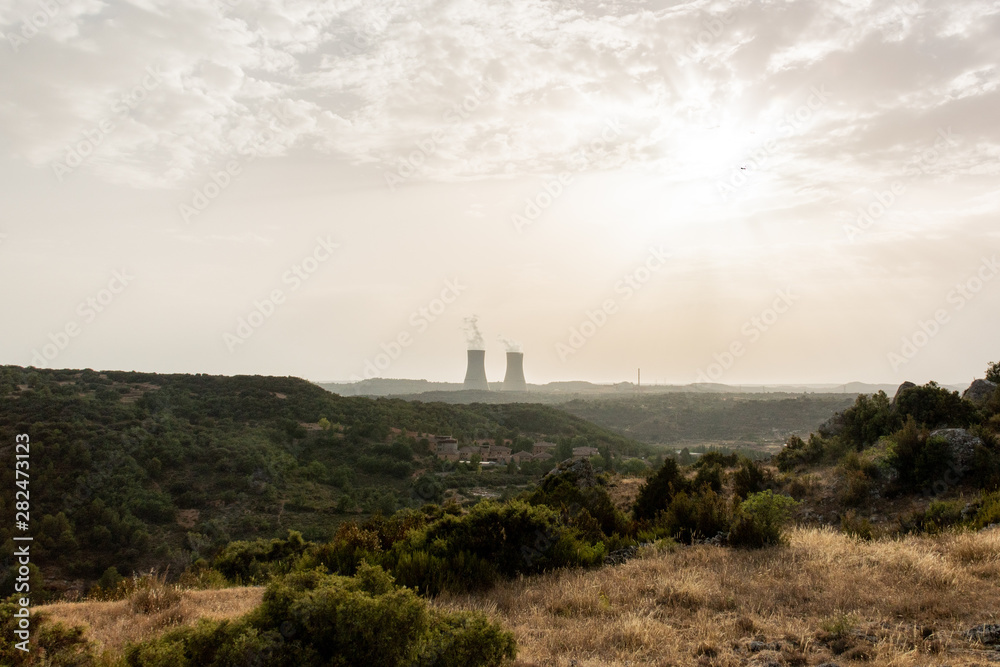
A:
<point x="561" y="493"/>
<point x="799" y="452"/>
<point x="633" y="467"/>
<point x="857" y="527"/>
<point x="709" y="476"/>
<point x="870" y="418"/>
<point x="986" y="459"/>
<point x="856" y="488"/>
<point x="917" y="457"/>
<point x="699" y="515"/>
<point x="658" y="490"/>
<point x="993" y="372"/>
<point x="750" y="477"/>
<point x="60" y="645"/>
<point x="935" y="406"/>
<point x="759" y="520"/>
<point x="938" y="516"/>
<point x="988" y="512"/>
<point x="256" y="561"/>
<point x="309" y="619"/>
<point x="714" y="458"/>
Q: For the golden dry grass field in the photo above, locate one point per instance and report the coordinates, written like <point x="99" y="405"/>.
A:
<point x="111" y="625"/>
<point x="824" y="598"/>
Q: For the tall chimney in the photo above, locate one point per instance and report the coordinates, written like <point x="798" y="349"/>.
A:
<point x="514" y="379"/>
<point x="475" y="375"/>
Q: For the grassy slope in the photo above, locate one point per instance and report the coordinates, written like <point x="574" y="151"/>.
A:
<point x="112" y="625"/>
<point x="825" y="597"/>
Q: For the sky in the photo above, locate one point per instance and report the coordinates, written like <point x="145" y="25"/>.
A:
<point x="774" y="192"/>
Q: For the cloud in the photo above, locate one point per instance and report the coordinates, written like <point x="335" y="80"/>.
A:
<point x="500" y="89"/>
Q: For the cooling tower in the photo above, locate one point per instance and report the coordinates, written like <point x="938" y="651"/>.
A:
<point x="514" y="379"/>
<point x="475" y="376"/>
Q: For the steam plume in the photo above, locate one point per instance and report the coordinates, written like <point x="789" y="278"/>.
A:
<point x="472" y="334"/>
<point x="512" y="345"/>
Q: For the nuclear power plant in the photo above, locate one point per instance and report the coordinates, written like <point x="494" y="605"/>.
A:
<point x="514" y="379"/>
<point x="475" y="375"/>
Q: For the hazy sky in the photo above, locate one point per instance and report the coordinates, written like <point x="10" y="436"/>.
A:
<point x="795" y="191"/>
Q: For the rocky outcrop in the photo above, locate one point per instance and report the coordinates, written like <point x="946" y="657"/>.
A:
<point x="578" y="472"/>
<point x="903" y="387"/>
<point x="980" y="392"/>
<point x="962" y="445"/>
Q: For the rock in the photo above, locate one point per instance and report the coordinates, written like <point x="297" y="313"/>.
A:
<point x="758" y="646"/>
<point x="832" y="426"/>
<point x="986" y="634"/>
<point x="578" y="471"/>
<point x="619" y="556"/>
<point x="962" y="445"/>
<point x="980" y="392"/>
<point x="720" y="540"/>
<point x="903" y="387"/>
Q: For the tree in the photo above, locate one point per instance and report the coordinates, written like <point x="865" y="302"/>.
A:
<point x="658" y="491"/>
<point x="760" y="519"/>
<point x="993" y="372"/>
<point x="564" y="450"/>
<point x="869" y="419"/>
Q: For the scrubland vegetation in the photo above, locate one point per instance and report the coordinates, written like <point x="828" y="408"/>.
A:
<point x="870" y="542"/>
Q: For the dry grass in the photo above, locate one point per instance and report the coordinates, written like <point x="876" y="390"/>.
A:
<point x="111" y="625"/>
<point x="825" y="597"/>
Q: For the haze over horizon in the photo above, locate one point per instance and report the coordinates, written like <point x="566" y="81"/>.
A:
<point x="796" y="192"/>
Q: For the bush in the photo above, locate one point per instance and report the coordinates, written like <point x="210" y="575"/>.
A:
<point x="633" y="467"/>
<point x="857" y="527"/>
<point x="916" y="456"/>
<point x="60" y="645"/>
<point x="986" y="459"/>
<point x="749" y="478"/>
<point x="492" y="540"/>
<point x="798" y="452"/>
<point x="993" y="372"/>
<point x="714" y="458"/>
<point x="988" y="512"/>
<point x="659" y="490"/>
<point x="856" y="489"/>
<point x="935" y="406"/>
<point x="938" y="516"/>
<point x="153" y="594"/>
<point x="255" y="562"/>
<point x="760" y="519"/>
<point x="562" y="494"/>
<point x="689" y="517"/>
<point x="710" y="476"/>
<point x="309" y="619"/>
<point x="870" y="418"/>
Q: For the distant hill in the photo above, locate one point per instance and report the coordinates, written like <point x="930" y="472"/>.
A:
<point x="141" y="470"/>
<point x="553" y="392"/>
<point x="691" y="419"/>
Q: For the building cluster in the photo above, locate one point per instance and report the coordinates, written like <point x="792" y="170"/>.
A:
<point x="488" y="450"/>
